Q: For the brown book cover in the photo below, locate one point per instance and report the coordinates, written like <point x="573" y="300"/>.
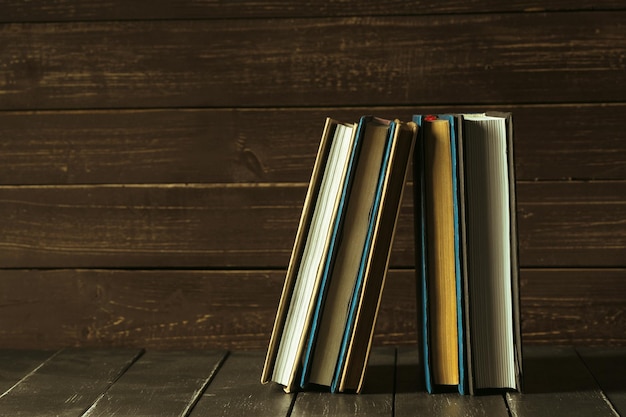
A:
<point x="360" y="341"/>
<point x="328" y="329"/>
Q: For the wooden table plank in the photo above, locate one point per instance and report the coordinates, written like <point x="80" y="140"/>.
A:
<point x="16" y="365"/>
<point x="235" y="310"/>
<point x="67" y="384"/>
<point x="573" y="306"/>
<point x="608" y="366"/>
<point x="252" y="225"/>
<point x="236" y="390"/>
<point x="159" y="383"/>
<point x="557" y="383"/>
<point x="376" y="399"/>
<point x="412" y="398"/>
<point x="118" y="382"/>
<point x="95" y="10"/>
<point x="509" y="58"/>
<point x="244" y="145"/>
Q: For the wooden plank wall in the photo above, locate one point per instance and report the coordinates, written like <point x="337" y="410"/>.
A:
<point x="154" y="156"/>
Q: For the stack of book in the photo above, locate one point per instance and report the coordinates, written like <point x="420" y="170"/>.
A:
<point x="466" y="247"/>
<point x="324" y="325"/>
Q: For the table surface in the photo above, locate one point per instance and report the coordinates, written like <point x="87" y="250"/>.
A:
<point x="559" y="381"/>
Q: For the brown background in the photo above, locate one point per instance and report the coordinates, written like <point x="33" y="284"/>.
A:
<point x="154" y="156"/>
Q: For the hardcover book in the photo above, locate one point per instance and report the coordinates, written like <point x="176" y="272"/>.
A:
<point x="324" y="324"/>
<point x="466" y="161"/>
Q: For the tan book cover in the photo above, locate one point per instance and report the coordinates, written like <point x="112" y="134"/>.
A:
<point x="378" y="258"/>
<point x="348" y="257"/>
<point x="296" y="256"/>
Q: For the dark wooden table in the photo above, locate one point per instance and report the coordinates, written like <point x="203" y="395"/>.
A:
<point x="559" y="381"/>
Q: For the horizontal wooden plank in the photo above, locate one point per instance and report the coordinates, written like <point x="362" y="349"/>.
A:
<point x="572" y="224"/>
<point x="67" y="10"/>
<point x="486" y="58"/>
<point x="574" y="306"/>
<point x="162" y="226"/>
<point x="272" y="145"/>
<point x="174" y="309"/>
<point x="152" y="309"/>
<point x="581" y="142"/>
<point x="253" y="225"/>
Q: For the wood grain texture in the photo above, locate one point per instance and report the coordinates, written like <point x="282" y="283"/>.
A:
<point x="562" y="381"/>
<point x="583" y="142"/>
<point x="561" y="224"/>
<point x="67" y="10"/>
<point x="67" y="384"/>
<point x="509" y="58"/>
<point x="376" y="399"/>
<point x="15" y="365"/>
<point x="168" y="384"/>
<point x="236" y="390"/>
<point x="178" y="309"/>
<point x="155" y="226"/>
<point x="158" y="309"/>
<point x="154" y="156"/>
<point x="573" y="306"/>
<point x="608" y="366"/>
<point x="411" y="398"/>
<point x="556" y="382"/>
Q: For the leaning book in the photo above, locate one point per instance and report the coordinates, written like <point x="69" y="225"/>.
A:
<point x="325" y="319"/>
<point x="467" y="256"/>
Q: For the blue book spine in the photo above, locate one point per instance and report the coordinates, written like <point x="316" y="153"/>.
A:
<point x="422" y="266"/>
